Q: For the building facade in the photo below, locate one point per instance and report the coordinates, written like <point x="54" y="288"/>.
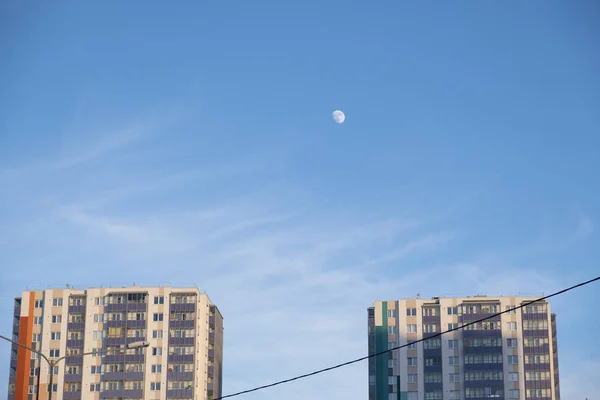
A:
<point x="511" y="356"/>
<point x="182" y="361"/>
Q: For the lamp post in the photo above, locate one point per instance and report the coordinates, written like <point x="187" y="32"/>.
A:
<point x="54" y="362"/>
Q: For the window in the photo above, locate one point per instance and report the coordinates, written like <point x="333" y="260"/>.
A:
<point x="413" y="396"/>
<point x="98" y="317"/>
<point x="36" y="337"/>
<point x="392" y="329"/>
<point x="513" y="377"/>
<point x="57" y="302"/>
<point x="54" y="388"/>
<point x="514" y="394"/>
<point x="513" y="359"/>
<point x="159" y="299"/>
<point x="413" y="378"/>
<point x="452" y="310"/>
<point x="157" y="334"/>
<point x="34" y="371"/>
<point x="435" y="395"/>
<point x="97" y="335"/>
<point x="511" y="326"/>
<point x="411" y="312"/>
<point x="54" y="335"/>
<point x="56" y="319"/>
<point x="452" y="326"/>
<point x="55" y="370"/>
<point x="511" y="310"/>
<point x="157" y="369"/>
<point x="453" y="360"/>
<point x="511" y="342"/>
<point x="37" y="320"/>
<point x="155" y="386"/>
<point x="157" y="317"/>
<point x="372" y="380"/>
<point x="430" y="328"/>
<point x="433" y="343"/>
<point x="453" y="344"/>
<point x="411" y="328"/>
<point x="54" y="353"/>
<point x="157" y="351"/>
<point x="32" y="389"/>
<point x="430" y="312"/>
<point x="95" y="387"/>
<point x="455" y="394"/>
<point x="39" y="304"/>
<point x="391" y="313"/>
<point x="411" y="346"/>
<point x="411" y="361"/>
<point x="96" y="369"/>
<point x="454" y="377"/>
<point x="99" y="301"/>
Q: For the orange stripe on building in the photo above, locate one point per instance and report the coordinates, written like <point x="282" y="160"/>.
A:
<point x="24" y="355"/>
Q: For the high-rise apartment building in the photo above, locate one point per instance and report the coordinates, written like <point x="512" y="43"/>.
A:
<point x="511" y="356"/>
<point x="183" y="360"/>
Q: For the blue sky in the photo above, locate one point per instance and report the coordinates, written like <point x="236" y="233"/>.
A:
<point x="150" y="143"/>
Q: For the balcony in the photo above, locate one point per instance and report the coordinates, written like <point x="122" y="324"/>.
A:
<point x="72" y="377"/>
<point x="497" y="384"/>
<point x="179" y="394"/>
<point x="488" y="333"/>
<point x="431" y="319"/>
<point x="433" y="368"/>
<point x="181" y="358"/>
<point x="535" y="333"/>
<point x="123" y="376"/>
<point x="126" y="393"/>
<point x="542" y="349"/>
<point x="542" y="384"/>
<point x="76" y="309"/>
<point x="128" y="358"/>
<point x="433" y="386"/>
<point x="180" y="376"/>
<point x="182" y="307"/>
<point x="137" y="307"/>
<point x="186" y="324"/>
<point x="483" y="367"/>
<point x="187" y="341"/>
<point x="432" y="352"/>
<point x="466" y="318"/>
<point x="77" y="343"/>
<point x="530" y="316"/>
<point x="537" y="367"/>
<point x="211" y="337"/>
<point x="71" y="395"/>
<point x="115" y="307"/>
<point x="75" y="326"/>
<point x="74" y="360"/>
<point x="482" y="349"/>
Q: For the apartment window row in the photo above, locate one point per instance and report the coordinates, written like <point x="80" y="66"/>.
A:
<point x="430" y="311"/>
<point x="182" y="316"/>
<point x="431" y="328"/>
<point x="535" y="324"/>
<point x="480" y="308"/>
<point x="537" y="393"/>
<point x="471" y="393"/>
<point x="181" y="350"/>
<point x="483" y="342"/>
<point x="181" y="368"/>
<point x="183" y="299"/>
<point x="72" y="387"/>
<point x="537" y="359"/>
<point x="493" y="358"/>
<point x="434" y="395"/>
<point x="537" y="376"/>
<point x="180" y="385"/>
<point x="77" y="301"/>
<point x="483" y="326"/>
<point x="433" y="377"/>
<point x="535" y="342"/>
<point x="182" y="333"/>
<point x="539" y="308"/>
<point x="434" y="343"/>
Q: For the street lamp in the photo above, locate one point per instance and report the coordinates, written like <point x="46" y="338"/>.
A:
<point x="53" y="362"/>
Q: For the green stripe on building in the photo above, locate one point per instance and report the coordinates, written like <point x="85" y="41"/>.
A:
<point x="381" y="363"/>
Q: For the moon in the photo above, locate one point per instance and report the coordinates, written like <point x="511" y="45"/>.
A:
<point x="338" y="116"/>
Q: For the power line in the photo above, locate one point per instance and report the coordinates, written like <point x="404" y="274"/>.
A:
<point x="320" y="371"/>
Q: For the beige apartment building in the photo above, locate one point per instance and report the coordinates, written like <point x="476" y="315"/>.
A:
<point x="182" y="329"/>
<point x="510" y="356"/>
